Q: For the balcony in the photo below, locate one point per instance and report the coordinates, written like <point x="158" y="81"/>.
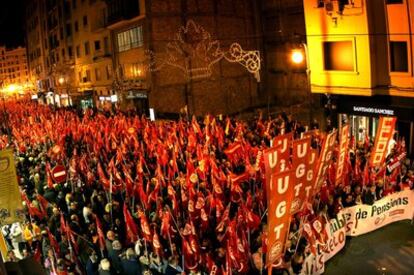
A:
<point x="101" y="54"/>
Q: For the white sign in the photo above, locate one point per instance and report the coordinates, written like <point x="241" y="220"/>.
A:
<point x="372" y="110"/>
<point x="152" y="114"/>
<point x="114" y="98"/>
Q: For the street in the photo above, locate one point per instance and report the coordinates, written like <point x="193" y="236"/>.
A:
<point x="389" y="250"/>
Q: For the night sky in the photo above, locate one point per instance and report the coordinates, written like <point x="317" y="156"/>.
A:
<point x="11" y="23"/>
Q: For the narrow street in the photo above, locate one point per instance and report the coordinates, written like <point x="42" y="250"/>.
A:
<point x="389" y="250"/>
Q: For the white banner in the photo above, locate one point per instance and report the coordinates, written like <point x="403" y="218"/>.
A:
<point x="358" y="220"/>
<point x="362" y="219"/>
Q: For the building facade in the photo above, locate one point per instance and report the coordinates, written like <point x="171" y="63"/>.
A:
<point x="13" y="69"/>
<point x="361" y="62"/>
<point x="69" y="51"/>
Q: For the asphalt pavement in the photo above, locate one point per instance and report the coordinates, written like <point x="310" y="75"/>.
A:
<point x="389" y="250"/>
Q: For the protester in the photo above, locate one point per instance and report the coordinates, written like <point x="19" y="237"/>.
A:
<point x="167" y="196"/>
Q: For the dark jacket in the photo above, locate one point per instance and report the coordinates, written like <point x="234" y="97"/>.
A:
<point x="91" y="268"/>
<point x="131" y="266"/>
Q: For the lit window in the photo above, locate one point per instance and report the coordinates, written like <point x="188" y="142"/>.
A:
<point x="338" y="56"/>
<point x="130" y="39"/>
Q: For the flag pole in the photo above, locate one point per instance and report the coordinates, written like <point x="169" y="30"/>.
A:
<point x="110" y="199"/>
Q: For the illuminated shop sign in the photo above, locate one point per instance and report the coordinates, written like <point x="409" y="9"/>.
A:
<point x="372" y="110"/>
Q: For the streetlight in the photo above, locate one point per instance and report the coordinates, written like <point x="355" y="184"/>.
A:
<point x="299" y="56"/>
<point x="61" y="80"/>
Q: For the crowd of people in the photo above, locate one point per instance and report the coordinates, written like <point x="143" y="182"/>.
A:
<point x="163" y="197"/>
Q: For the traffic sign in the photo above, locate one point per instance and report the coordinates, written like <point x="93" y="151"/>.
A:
<point x="59" y="174"/>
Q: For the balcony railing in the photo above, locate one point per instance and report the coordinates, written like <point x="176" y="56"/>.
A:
<point x="101" y="54"/>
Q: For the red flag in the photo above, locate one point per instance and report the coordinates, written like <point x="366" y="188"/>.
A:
<point x="131" y="227"/>
<point x="165" y="224"/>
<point x="103" y="177"/>
<point x="101" y="236"/>
<point x="173" y="199"/>
<point x="310" y="237"/>
<point x="33" y="211"/>
<point x="139" y="190"/>
<point x="49" y="177"/>
<point x="128" y="181"/>
<point x="156" y="244"/>
<point x="252" y="220"/>
<point x="53" y="242"/>
<point x="43" y="202"/>
<point x="234" y="151"/>
<point x="37" y="255"/>
<point x="190" y="257"/>
<point x="146" y="231"/>
<point x="224" y="220"/>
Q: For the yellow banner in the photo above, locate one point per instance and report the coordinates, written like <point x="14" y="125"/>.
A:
<point x="11" y="208"/>
<point x="3" y="247"/>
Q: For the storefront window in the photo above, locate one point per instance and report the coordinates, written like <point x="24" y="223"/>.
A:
<point x="86" y="103"/>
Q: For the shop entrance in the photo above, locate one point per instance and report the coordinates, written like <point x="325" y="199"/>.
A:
<point x="360" y="126"/>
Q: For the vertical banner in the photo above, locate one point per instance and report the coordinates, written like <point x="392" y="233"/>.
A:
<point x="3" y="247"/>
<point x="343" y="153"/>
<point x="310" y="174"/>
<point x="324" y="159"/>
<point x="281" y="196"/>
<point x="300" y="164"/>
<point x="385" y="132"/>
<point x="10" y="200"/>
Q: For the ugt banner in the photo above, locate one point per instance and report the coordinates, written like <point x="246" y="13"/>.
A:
<point x="300" y="168"/>
<point x="280" y="196"/>
<point x="11" y="207"/>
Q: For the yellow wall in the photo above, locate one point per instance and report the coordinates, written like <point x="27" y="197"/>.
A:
<point x="366" y="24"/>
<point x="400" y="24"/>
<point x="321" y="27"/>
